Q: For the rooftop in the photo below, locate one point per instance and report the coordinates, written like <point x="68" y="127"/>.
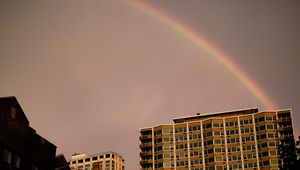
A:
<point x="200" y="116"/>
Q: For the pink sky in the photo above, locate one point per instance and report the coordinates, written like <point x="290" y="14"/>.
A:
<point x="90" y="74"/>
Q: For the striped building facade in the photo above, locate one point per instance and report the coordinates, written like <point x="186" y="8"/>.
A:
<point x="101" y="161"/>
<point x="243" y="139"/>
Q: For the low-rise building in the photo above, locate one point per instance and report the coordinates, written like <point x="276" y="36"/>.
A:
<point x="100" y="161"/>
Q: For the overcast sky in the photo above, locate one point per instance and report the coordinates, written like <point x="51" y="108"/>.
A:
<point x="89" y="74"/>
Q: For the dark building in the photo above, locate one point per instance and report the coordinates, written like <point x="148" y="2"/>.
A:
<point x="61" y="163"/>
<point x="21" y="148"/>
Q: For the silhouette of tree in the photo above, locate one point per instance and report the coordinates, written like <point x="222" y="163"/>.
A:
<point x="290" y="154"/>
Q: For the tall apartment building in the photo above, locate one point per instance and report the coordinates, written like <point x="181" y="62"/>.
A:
<point x="242" y="139"/>
<point x="101" y="161"/>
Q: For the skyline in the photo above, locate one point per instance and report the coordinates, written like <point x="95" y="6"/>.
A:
<point x="100" y="68"/>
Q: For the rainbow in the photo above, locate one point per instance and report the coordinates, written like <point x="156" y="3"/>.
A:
<point x="203" y="44"/>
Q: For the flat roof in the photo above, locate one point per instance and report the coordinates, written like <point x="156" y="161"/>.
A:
<point x="216" y="114"/>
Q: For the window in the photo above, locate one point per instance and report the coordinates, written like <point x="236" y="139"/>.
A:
<point x="263" y="136"/>
<point x="195" y="136"/>
<point x="100" y="165"/>
<point x="220" y="150"/>
<point x="208" y="125"/>
<point x="160" y="156"/>
<point x="167" y="164"/>
<point x="107" y="165"/>
<point x="218" y="124"/>
<point x="196" y="153"/>
<point x="167" y="147"/>
<point x="269" y="126"/>
<point x="181" y="146"/>
<point x="208" y="151"/>
<point x="167" y="139"/>
<point x="274" y="161"/>
<point x="195" y="162"/>
<point x="180" y="138"/>
<point x="13" y="113"/>
<point x="7" y="156"/>
<point x="210" y="142"/>
<point x="208" y="160"/>
<point x="218" y="133"/>
<point x="195" y="144"/>
<point x="168" y="156"/>
<point x="34" y="167"/>
<point x="181" y="155"/>
<point x="194" y="128"/>
<point x="269" y="117"/>
<point x="180" y="130"/>
<point x="208" y="134"/>
<point x="219" y="159"/>
<point x="17" y="161"/>
<point x="167" y="131"/>
<point x="158" y="140"/>
<point x="261" y="119"/>
<point x="158" y="132"/>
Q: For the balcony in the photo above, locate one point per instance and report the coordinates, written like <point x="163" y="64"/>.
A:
<point x="146" y="161"/>
<point x="143" y="137"/>
<point x="145" y="145"/>
<point x="145" y="153"/>
<point x="285" y="128"/>
<point x="146" y="169"/>
<point x="286" y="137"/>
<point x="284" y="119"/>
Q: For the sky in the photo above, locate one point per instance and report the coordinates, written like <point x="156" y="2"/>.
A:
<point x="90" y="74"/>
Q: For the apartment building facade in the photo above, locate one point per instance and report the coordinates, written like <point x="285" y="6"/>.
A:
<point x="242" y="139"/>
<point x="101" y="161"/>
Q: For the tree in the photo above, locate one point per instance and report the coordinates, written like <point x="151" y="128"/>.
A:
<point x="290" y="154"/>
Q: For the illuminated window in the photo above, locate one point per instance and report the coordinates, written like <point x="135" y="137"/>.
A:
<point x="7" y="156"/>
<point x="17" y="161"/>
<point x="13" y="113"/>
<point x="34" y="167"/>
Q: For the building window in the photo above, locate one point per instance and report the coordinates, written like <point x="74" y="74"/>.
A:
<point x="13" y="112"/>
<point x="7" y="156"/>
<point x="107" y="165"/>
<point x="17" y="161"/>
<point x="34" y="167"/>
